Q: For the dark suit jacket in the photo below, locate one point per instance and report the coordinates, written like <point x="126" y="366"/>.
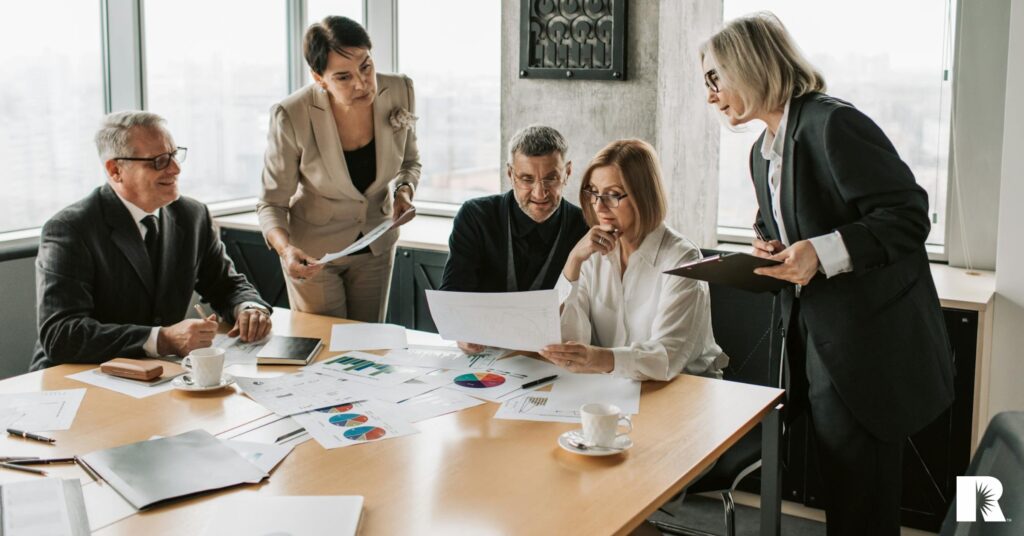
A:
<point x="95" y="294"/>
<point x="478" y="246"/>
<point x="879" y="328"/>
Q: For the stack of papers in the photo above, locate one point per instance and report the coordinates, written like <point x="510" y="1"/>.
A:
<point x="49" y="506"/>
<point x="353" y="424"/>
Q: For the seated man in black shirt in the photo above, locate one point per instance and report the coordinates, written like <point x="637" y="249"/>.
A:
<point x="518" y="240"/>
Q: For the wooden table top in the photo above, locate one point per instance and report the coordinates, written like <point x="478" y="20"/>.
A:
<point x="463" y="473"/>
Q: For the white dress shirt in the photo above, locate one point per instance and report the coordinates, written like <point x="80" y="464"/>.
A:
<point x="150" y="346"/>
<point x="656" y="325"/>
<point x="832" y="253"/>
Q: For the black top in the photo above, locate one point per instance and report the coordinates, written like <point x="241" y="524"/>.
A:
<point x="362" y="166"/>
<point x="478" y="246"/>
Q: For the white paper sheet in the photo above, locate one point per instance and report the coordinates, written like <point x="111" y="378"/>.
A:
<point x="237" y="352"/>
<point x="270" y="430"/>
<point x="370" y="237"/>
<point x="345" y="337"/>
<point x="533" y="407"/>
<point x="49" y="506"/>
<point x="41" y="410"/>
<point x="353" y="424"/>
<point x="132" y="389"/>
<point x="453" y="359"/>
<point x="247" y="515"/>
<point x="573" y="390"/>
<point x="366" y="368"/>
<point x="514" y="320"/>
<point x="416" y="337"/>
<point x="262" y="455"/>
<point x="302" y="391"/>
<point x="435" y="404"/>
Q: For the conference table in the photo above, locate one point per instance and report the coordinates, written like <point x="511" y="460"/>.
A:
<point x="464" y="473"/>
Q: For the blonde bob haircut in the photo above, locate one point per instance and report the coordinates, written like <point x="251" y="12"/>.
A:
<point x="637" y="162"/>
<point x="756" y="58"/>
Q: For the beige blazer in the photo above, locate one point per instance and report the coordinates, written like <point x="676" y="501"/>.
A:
<point x="307" y="190"/>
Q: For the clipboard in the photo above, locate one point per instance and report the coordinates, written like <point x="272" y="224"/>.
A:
<point x="732" y="269"/>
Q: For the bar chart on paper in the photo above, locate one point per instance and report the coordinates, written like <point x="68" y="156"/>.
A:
<point x="367" y="368"/>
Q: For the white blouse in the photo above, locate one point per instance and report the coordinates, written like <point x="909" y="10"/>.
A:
<point x="656" y="325"/>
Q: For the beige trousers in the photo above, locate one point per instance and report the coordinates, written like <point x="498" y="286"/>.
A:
<point x="354" y="287"/>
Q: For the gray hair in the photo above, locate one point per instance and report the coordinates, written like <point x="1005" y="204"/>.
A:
<point x="537" y="140"/>
<point x="114" y="136"/>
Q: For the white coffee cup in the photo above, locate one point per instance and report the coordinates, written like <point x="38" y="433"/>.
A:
<point x="601" y="424"/>
<point x="205" y="366"/>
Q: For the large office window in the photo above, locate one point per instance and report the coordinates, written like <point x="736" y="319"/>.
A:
<point x="316" y="10"/>
<point x="51" y="102"/>
<point x="890" y="59"/>
<point x="214" y="77"/>
<point x="452" y="49"/>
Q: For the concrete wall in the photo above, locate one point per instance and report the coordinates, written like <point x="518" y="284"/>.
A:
<point x="660" y="102"/>
<point x="1008" y="337"/>
<point x="17" y="315"/>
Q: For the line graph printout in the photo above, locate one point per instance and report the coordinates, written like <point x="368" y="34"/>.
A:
<point x="40" y="411"/>
<point x="514" y="320"/>
<point x="534" y="407"/>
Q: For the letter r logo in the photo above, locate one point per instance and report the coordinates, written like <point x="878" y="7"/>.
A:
<point x="978" y="493"/>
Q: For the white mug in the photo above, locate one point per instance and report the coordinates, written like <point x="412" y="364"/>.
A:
<point x="601" y="424"/>
<point x="205" y="366"/>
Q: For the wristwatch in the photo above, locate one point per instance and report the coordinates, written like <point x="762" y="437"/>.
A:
<point x="412" y="189"/>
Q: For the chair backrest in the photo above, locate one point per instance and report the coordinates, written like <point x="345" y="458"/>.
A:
<point x="746" y="326"/>
<point x="994" y="485"/>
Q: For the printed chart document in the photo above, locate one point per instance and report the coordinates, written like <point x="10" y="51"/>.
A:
<point x="118" y="385"/>
<point x="435" y="404"/>
<point x="40" y="411"/>
<point x="367" y="337"/>
<point x="435" y="357"/>
<point x="302" y="391"/>
<point x="534" y="407"/>
<point x="573" y="390"/>
<point x="370" y="237"/>
<point x="337" y="515"/>
<point x="269" y="430"/>
<point x="345" y="425"/>
<point x="366" y="368"/>
<point x="505" y="376"/>
<point x="513" y="320"/>
<point x="49" y="506"/>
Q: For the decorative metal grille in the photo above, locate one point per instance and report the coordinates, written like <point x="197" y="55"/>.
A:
<point x="581" y="39"/>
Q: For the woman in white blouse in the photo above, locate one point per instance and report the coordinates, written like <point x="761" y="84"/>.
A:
<point x="620" y="313"/>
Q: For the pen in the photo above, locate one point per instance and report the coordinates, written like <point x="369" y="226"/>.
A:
<point x="290" y="435"/>
<point x="17" y="458"/>
<point x="757" y="233"/>
<point x="202" y="313"/>
<point x="30" y="435"/>
<point x="88" y="470"/>
<point x="535" y="383"/>
<point x="22" y="468"/>
<point x="43" y="461"/>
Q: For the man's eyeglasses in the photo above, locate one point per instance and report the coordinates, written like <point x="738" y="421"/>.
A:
<point x="711" y="80"/>
<point x="610" y="200"/>
<point x="527" y="183"/>
<point x="160" y="161"/>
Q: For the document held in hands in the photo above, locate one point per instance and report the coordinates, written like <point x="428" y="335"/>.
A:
<point x="514" y="320"/>
<point x="368" y="239"/>
<point x="733" y="270"/>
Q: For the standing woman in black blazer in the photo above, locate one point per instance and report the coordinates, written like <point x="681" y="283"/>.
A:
<point x="867" y="352"/>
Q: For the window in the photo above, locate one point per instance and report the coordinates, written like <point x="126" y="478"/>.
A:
<point x="51" y="103"/>
<point x="214" y="78"/>
<point x="895" y="68"/>
<point x="456" y="72"/>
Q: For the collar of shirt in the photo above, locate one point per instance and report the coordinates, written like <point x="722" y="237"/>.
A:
<point x="771" y="146"/>
<point x="137" y="213"/>
<point x="523" y="225"/>
<point x="651" y="245"/>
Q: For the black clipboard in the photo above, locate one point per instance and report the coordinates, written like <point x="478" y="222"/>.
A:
<point x="732" y="269"/>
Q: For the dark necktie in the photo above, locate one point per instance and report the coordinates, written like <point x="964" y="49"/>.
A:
<point x="152" y="242"/>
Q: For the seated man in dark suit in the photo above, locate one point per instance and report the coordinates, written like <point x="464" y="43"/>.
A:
<point x="116" y="270"/>
<point x="518" y="240"/>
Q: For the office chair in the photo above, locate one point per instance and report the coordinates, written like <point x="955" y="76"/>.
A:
<point x="1000" y="455"/>
<point x="745" y="326"/>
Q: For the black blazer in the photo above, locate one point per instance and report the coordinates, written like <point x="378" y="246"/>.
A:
<point x="478" y="245"/>
<point x="879" y="329"/>
<point x="95" y="294"/>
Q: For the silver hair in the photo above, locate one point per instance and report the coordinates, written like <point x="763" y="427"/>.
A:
<point x="537" y="140"/>
<point x="114" y="136"/>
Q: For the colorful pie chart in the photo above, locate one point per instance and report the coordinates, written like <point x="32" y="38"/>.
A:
<point x="477" y="380"/>
<point x="348" y="419"/>
<point x="365" y="433"/>
<point x="337" y="409"/>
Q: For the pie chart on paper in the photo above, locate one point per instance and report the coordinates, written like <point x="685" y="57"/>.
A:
<point x="365" y="433"/>
<point x="348" y="419"/>
<point x="479" y="380"/>
<point x="337" y="409"/>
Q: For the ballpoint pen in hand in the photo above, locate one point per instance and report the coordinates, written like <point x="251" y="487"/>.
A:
<point x="30" y="435"/>
<point x="761" y="237"/>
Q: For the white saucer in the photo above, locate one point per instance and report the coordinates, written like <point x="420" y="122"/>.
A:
<point x="181" y="384"/>
<point x="566" y="440"/>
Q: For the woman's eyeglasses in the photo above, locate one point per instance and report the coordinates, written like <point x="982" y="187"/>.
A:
<point x="711" y="80"/>
<point x="610" y="200"/>
<point x="160" y="162"/>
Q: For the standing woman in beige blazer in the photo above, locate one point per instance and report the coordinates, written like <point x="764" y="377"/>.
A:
<point x="341" y="159"/>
